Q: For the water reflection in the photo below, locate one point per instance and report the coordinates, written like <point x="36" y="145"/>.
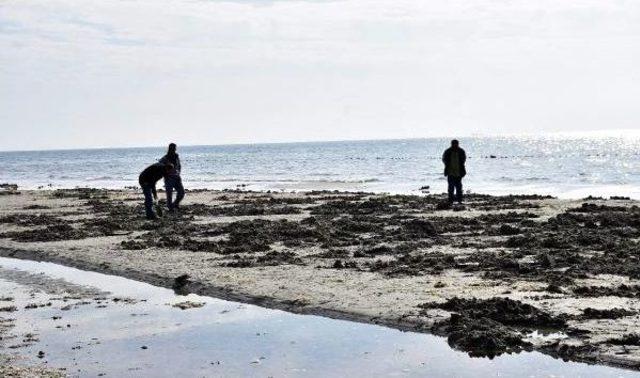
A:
<point x="151" y="338"/>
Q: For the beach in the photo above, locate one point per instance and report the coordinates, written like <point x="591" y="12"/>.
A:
<point x="383" y="188"/>
<point x="502" y="274"/>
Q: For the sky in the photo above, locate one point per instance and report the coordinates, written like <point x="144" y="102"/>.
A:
<point x="119" y="73"/>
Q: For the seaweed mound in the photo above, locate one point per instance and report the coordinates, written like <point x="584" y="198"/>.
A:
<point x="503" y="310"/>
<point x="485" y="327"/>
<point x="483" y="337"/>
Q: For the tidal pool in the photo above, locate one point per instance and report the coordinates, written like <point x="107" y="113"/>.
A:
<point x="112" y="326"/>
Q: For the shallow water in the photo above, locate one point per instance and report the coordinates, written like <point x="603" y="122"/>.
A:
<point x="231" y="339"/>
<point x="571" y="167"/>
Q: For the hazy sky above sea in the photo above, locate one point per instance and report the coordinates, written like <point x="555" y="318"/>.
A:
<point x="143" y="72"/>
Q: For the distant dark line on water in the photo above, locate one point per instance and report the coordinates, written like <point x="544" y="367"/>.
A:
<point x="293" y="143"/>
<point x="310" y="142"/>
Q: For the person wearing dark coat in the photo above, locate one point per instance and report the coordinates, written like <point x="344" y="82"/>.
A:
<point x="173" y="181"/>
<point x="454" y="159"/>
<point x="148" y="179"/>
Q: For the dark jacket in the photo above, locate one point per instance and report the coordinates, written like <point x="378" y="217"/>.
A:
<point x="151" y="175"/>
<point x="173" y="159"/>
<point x="462" y="158"/>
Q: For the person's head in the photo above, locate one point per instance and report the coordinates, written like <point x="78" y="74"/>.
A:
<point x="172" y="148"/>
<point x="455" y="143"/>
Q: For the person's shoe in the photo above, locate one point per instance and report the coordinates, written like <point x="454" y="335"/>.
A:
<point x="152" y="217"/>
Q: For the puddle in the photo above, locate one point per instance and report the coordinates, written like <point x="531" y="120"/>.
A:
<point x="112" y="326"/>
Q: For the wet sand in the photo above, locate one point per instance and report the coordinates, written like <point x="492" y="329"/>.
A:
<point x="494" y="277"/>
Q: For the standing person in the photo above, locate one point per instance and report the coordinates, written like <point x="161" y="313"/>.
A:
<point x="454" y="159"/>
<point x="173" y="181"/>
<point x="148" y="179"/>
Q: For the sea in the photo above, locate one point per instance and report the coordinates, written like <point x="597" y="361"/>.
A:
<point x="562" y="166"/>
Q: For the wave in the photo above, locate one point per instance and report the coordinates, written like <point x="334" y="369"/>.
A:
<point x="287" y="181"/>
<point x="525" y="179"/>
<point x="353" y="181"/>
<point x="239" y="179"/>
<point x="104" y="178"/>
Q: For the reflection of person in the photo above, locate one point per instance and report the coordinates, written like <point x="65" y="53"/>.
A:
<point x="173" y="181"/>
<point x="454" y="159"/>
<point x="148" y="179"/>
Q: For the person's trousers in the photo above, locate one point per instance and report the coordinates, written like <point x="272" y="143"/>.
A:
<point x="455" y="185"/>
<point x="147" y="190"/>
<point x="172" y="183"/>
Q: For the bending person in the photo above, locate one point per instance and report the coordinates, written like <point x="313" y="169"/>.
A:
<point x="173" y="181"/>
<point x="454" y="159"/>
<point x="148" y="179"/>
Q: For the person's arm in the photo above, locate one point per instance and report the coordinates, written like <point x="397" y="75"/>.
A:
<point x="178" y="166"/>
<point x="445" y="159"/>
<point x="464" y="156"/>
<point x="153" y="191"/>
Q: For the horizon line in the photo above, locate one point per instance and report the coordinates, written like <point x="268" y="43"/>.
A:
<point x="566" y="134"/>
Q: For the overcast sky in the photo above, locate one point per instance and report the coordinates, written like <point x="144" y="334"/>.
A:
<point x="141" y="72"/>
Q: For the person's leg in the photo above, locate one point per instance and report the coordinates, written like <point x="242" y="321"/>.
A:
<point x="179" y="192"/>
<point x="451" y="182"/>
<point x="168" y="185"/>
<point x="148" y="201"/>
<point x="459" y="189"/>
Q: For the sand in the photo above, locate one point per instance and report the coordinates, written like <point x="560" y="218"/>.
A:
<point x="499" y="275"/>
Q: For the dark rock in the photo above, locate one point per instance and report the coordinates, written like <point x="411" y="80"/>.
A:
<point x="180" y="284"/>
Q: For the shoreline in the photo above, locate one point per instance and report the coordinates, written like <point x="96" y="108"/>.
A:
<point x="244" y="283"/>
<point x="209" y="291"/>
<point x="575" y="193"/>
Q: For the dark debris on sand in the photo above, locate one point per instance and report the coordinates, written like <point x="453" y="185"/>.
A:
<point x="507" y="245"/>
<point x="612" y="313"/>
<point x="490" y="327"/>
